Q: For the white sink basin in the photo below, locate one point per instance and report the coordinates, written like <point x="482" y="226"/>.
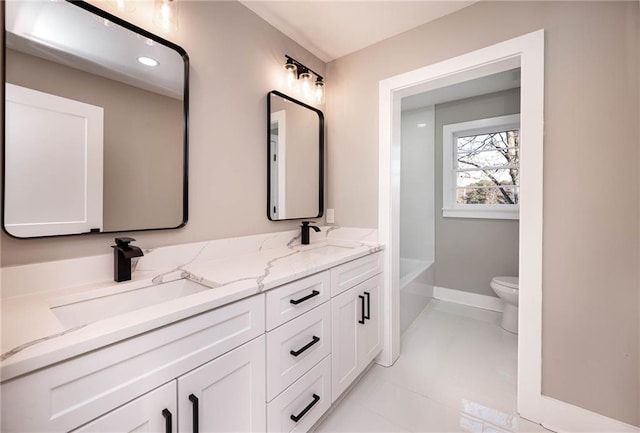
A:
<point x="100" y="304"/>
<point x="325" y="249"/>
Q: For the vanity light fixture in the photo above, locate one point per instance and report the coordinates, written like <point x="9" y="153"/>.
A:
<point x="148" y="61"/>
<point x="299" y="78"/>
<point x="165" y="15"/>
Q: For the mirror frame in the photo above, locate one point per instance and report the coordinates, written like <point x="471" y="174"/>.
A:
<point x="132" y="27"/>
<point x="320" y="159"/>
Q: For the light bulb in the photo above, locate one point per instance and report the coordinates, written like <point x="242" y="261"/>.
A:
<point x="318" y="91"/>
<point x="291" y="71"/>
<point x="165" y="14"/>
<point x="305" y="85"/>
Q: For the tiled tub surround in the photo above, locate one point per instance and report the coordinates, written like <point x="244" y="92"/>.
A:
<point x="233" y="269"/>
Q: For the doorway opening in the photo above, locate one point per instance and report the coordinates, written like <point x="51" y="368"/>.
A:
<point x="525" y="53"/>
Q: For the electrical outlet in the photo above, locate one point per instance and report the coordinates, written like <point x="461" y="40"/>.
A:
<point x="331" y="217"/>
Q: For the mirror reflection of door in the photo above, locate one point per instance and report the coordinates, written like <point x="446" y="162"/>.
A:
<point x="278" y="145"/>
<point x="54" y="181"/>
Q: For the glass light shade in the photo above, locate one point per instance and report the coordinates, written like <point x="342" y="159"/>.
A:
<point x="318" y="91"/>
<point x="291" y="75"/>
<point x="306" y="85"/>
<point x="165" y="15"/>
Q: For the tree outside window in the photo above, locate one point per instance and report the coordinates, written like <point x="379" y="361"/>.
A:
<point x="481" y="171"/>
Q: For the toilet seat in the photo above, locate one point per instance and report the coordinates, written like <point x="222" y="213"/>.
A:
<point x="510" y="282"/>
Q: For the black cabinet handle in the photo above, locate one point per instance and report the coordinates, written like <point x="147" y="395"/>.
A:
<point x="309" y="296"/>
<point x="368" y="316"/>
<point x="306" y="346"/>
<point x="361" y="321"/>
<point x="194" y="402"/>
<point x="316" y="399"/>
<point x="167" y="420"/>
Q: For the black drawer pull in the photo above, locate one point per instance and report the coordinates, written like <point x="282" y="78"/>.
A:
<point x="361" y="321"/>
<point x="296" y="418"/>
<point x="306" y="346"/>
<point x="368" y="316"/>
<point x="194" y="401"/>
<point x="167" y="420"/>
<point x="309" y="296"/>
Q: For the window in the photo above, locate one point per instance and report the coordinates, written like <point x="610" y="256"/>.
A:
<point x="481" y="168"/>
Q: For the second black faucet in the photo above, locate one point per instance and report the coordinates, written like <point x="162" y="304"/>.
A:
<point x="305" y="231"/>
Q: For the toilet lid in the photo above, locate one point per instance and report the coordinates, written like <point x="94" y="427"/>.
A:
<point x="511" y="282"/>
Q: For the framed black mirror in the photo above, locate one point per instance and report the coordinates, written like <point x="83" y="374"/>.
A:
<point x="95" y="113"/>
<point x="295" y="168"/>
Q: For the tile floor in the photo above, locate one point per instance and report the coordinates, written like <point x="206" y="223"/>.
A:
<point x="456" y="373"/>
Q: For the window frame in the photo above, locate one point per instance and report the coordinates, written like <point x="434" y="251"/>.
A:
<point x="450" y="133"/>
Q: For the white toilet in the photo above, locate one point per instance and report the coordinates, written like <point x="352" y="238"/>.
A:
<point x="507" y="289"/>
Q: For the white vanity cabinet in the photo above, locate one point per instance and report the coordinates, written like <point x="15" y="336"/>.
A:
<point x="105" y="385"/>
<point x="224" y="395"/>
<point x="275" y="361"/>
<point x="356" y="320"/>
<point x="298" y="353"/>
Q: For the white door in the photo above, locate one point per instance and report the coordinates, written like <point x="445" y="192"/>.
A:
<point x="155" y="411"/>
<point x="279" y="164"/>
<point x="346" y="315"/>
<point x="53" y="176"/>
<point x="226" y="394"/>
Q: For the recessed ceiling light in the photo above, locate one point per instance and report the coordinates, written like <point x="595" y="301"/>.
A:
<point x="148" y="61"/>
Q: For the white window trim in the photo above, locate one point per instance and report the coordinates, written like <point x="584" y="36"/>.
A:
<point x="451" y="209"/>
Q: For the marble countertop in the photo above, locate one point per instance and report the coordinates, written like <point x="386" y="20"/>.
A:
<point x="33" y="337"/>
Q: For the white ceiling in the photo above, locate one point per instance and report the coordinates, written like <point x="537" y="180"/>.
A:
<point x="332" y="29"/>
<point x="475" y="87"/>
<point x="64" y="33"/>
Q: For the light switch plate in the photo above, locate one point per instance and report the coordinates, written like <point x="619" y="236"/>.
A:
<point x="331" y="216"/>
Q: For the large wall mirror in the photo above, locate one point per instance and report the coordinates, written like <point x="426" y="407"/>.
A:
<point x="95" y="123"/>
<point x="296" y="159"/>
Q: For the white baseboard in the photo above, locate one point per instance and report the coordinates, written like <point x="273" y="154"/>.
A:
<point x="563" y="417"/>
<point x="467" y="298"/>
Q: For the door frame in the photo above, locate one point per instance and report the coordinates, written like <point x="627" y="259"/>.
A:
<point x="526" y="52"/>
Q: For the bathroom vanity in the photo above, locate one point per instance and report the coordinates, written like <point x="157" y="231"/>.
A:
<point x="252" y="339"/>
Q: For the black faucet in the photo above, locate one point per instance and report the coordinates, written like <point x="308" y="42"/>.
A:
<point x="122" y="255"/>
<point x="305" y="231"/>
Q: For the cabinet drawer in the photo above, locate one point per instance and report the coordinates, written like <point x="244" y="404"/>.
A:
<point x="293" y="299"/>
<point x="306" y="400"/>
<point x="69" y="394"/>
<point x="347" y="275"/>
<point x="308" y="337"/>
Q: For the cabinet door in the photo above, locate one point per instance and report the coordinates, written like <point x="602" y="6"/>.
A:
<point x="370" y="337"/>
<point x="153" y="412"/>
<point x="226" y="394"/>
<point x="346" y="318"/>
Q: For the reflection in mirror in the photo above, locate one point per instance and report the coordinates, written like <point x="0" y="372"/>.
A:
<point x="95" y="139"/>
<point x="296" y="159"/>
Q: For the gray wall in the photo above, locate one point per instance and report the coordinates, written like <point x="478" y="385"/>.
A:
<point x="143" y="165"/>
<point x="590" y="248"/>
<point x="236" y="59"/>
<point x="471" y="251"/>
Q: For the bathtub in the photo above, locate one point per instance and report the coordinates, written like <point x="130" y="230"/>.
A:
<point x="416" y="289"/>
